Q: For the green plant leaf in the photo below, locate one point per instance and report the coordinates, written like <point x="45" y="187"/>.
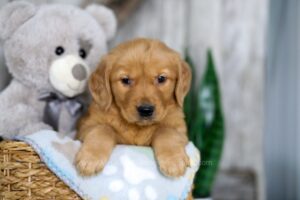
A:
<point x="206" y="126"/>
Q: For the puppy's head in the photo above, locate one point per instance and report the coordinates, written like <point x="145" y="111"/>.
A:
<point x="144" y="78"/>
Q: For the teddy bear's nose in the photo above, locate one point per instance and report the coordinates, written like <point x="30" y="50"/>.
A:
<point x="79" y="72"/>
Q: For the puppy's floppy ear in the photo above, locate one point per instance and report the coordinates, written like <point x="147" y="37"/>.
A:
<point x="105" y="18"/>
<point x="99" y="85"/>
<point x="13" y="15"/>
<point x="183" y="82"/>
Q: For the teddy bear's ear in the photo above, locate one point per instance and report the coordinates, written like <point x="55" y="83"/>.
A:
<point x="105" y="17"/>
<point x="13" y="15"/>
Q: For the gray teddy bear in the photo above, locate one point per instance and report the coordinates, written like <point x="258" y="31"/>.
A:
<point x="50" y="51"/>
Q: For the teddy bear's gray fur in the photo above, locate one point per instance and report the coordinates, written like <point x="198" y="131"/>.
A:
<point x="30" y="35"/>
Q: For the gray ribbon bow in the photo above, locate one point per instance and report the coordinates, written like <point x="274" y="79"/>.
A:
<point x="54" y="103"/>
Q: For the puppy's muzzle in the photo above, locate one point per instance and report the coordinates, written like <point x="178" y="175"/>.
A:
<point x="146" y="110"/>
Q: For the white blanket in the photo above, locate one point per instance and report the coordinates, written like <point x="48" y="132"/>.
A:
<point x="131" y="173"/>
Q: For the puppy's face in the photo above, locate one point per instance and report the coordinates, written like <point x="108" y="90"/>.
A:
<point x="143" y="85"/>
<point x="144" y="78"/>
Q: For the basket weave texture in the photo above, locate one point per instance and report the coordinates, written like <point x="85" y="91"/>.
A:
<point x="24" y="176"/>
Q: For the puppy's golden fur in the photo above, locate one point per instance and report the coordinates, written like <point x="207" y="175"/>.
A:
<point x="113" y="118"/>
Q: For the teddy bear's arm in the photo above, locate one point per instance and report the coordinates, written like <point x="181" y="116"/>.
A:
<point x="19" y="114"/>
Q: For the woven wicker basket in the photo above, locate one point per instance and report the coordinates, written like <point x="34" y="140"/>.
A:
<point x="24" y="176"/>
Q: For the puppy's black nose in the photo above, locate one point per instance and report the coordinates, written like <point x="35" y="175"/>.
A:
<point x="145" y="110"/>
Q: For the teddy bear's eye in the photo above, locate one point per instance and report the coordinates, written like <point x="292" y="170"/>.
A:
<point x="59" y="50"/>
<point x="82" y="53"/>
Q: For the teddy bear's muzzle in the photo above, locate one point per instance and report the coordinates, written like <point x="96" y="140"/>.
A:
<point x="68" y="75"/>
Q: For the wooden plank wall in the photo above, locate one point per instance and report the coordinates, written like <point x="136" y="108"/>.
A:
<point x="165" y="20"/>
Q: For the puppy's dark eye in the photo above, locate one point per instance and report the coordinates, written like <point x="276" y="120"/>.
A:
<point x="82" y="53"/>
<point x="126" y="81"/>
<point x="161" y="79"/>
<point x="59" y="50"/>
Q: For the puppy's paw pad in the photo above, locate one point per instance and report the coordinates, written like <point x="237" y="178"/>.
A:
<point x="88" y="163"/>
<point x="173" y="165"/>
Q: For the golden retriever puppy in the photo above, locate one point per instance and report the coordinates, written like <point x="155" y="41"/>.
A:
<point x="138" y="91"/>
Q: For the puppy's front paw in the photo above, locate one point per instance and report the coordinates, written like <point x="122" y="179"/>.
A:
<point x="89" y="163"/>
<point x="173" y="165"/>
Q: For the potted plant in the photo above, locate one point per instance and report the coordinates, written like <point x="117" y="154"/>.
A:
<point x="205" y="121"/>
